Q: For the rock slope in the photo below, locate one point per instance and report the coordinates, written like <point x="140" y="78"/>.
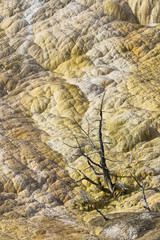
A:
<point x="56" y="60"/>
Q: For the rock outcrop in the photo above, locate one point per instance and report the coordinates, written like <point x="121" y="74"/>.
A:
<point x="56" y="60"/>
<point x="147" y="12"/>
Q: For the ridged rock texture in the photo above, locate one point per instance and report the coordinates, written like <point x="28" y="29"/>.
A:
<point x="147" y="12"/>
<point x="57" y="58"/>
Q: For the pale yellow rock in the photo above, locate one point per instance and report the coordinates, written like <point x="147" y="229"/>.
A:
<point x="147" y="12"/>
<point x="6" y="23"/>
<point x="118" y="10"/>
<point x="56" y="60"/>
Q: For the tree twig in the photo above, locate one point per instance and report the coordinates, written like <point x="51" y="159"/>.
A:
<point x="105" y="218"/>
<point x="143" y="192"/>
<point x="144" y="198"/>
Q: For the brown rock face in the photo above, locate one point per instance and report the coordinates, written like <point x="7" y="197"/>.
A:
<point x="57" y="58"/>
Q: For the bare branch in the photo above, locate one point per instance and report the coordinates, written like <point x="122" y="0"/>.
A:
<point x="86" y="156"/>
<point x="88" y="126"/>
<point x="105" y="218"/>
<point x="131" y="158"/>
<point x="71" y="145"/>
<point x="87" y="143"/>
<point x="90" y="142"/>
<point x="87" y="134"/>
<point x="79" y="180"/>
<point x="143" y="192"/>
<point x="88" y="179"/>
<point x="94" y="170"/>
<point x="136" y="180"/>
<point x="107" y="142"/>
<point x="144" y="198"/>
<point x="96" y="164"/>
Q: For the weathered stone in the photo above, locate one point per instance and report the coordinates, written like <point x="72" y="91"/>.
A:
<point x="147" y="12"/>
<point x="56" y="60"/>
<point x="132" y="226"/>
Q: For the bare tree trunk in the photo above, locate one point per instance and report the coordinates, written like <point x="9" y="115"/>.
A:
<point x="106" y="173"/>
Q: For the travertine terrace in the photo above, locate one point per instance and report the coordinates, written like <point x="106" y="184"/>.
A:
<point x="57" y="57"/>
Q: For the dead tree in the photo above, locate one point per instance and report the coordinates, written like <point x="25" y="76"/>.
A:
<point x="87" y="147"/>
<point x="83" y="139"/>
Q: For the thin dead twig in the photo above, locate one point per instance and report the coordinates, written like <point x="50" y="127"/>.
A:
<point x="143" y="192"/>
<point x="105" y="218"/>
